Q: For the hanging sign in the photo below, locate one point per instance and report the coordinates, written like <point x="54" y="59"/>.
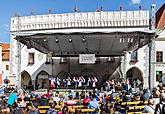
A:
<point x="87" y="58"/>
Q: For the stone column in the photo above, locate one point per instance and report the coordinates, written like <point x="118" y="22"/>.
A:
<point x="33" y="81"/>
<point x="33" y="84"/>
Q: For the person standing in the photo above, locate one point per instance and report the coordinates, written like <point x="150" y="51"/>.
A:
<point x="89" y="82"/>
<point x="75" y="81"/>
<point x="68" y="82"/>
<point x="58" y="82"/>
<point x="80" y="83"/>
<point x="12" y="99"/>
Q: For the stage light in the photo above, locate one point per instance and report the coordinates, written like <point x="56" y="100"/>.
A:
<point x="57" y="41"/>
<point x="83" y="40"/>
<point x="45" y="40"/>
<point x="70" y="40"/>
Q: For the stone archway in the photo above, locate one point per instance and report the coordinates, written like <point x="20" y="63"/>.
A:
<point x="25" y="79"/>
<point x="88" y="72"/>
<point x="134" y="73"/>
<point x="42" y="80"/>
<point x="63" y="75"/>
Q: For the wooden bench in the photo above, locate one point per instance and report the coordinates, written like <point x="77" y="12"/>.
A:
<point x="134" y="103"/>
<point x="134" y="113"/>
<point x="79" y="106"/>
<point x="43" y="109"/>
<point x="136" y="107"/>
<point x="82" y="110"/>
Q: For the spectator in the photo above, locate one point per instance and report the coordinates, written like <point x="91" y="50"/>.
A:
<point x="147" y="95"/>
<point x="56" y="98"/>
<point x="12" y="99"/>
<point x="93" y="104"/>
<point x="104" y="109"/>
<point x="51" y="110"/>
<point x="33" y="109"/>
<point x="150" y="107"/>
<point x="160" y="107"/>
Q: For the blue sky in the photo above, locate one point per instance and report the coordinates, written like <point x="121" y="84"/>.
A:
<point x="23" y="7"/>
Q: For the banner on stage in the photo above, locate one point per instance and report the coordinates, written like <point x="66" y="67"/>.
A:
<point x="87" y="58"/>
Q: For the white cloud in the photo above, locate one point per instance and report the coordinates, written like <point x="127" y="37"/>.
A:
<point x="6" y="25"/>
<point x="136" y="1"/>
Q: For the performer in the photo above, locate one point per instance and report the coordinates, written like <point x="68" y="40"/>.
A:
<point x="75" y="81"/>
<point x="94" y="81"/>
<point x="89" y="82"/>
<point x="58" y="80"/>
<point x="64" y="82"/>
<point x="83" y="81"/>
<point x="52" y="86"/>
<point x="79" y="83"/>
<point x="68" y="82"/>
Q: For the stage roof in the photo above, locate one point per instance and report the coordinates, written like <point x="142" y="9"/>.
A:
<point x="72" y="44"/>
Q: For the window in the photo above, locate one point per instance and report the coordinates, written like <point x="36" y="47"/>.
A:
<point x="7" y="67"/>
<point x="48" y="58"/>
<point x="158" y="75"/>
<point x="134" y="55"/>
<point x="159" y="56"/>
<point x="31" y="58"/>
<point x="134" y="58"/>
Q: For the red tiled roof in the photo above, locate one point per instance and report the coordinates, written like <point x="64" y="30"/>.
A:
<point x="5" y="52"/>
<point x="5" y="46"/>
<point x="160" y="17"/>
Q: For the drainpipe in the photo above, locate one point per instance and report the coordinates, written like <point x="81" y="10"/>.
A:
<point x="150" y="46"/>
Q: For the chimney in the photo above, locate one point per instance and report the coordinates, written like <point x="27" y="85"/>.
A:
<point x="101" y="8"/>
<point x="140" y="7"/>
<point x="121" y="8"/>
<point x="50" y="11"/>
<point x="75" y="9"/>
<point x="32" y="13"/>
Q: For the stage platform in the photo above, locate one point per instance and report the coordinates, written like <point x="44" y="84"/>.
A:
<point x="42" y="91"/>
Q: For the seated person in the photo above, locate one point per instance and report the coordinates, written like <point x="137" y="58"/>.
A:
<point x="127" y="97"/>
<point x="136" y="97"/>
<point x="33" y="109"/>
<point x="146" y="95"/>
<point x="71" y="101"/>
<point x="52" y="110"/>
<point x="93" y="103"/>
<point x="150" y="108"/>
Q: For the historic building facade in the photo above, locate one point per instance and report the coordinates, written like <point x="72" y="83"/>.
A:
<point x="30" y="66"/>
<point x="5" y="62"/>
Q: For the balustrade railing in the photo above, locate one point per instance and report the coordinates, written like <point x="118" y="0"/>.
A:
<point x="85" y="19"/>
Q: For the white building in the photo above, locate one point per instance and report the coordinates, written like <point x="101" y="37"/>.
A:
<point x="32" y="63"/>
<point x="159" y="44"/>
<point x="5" y="61"/>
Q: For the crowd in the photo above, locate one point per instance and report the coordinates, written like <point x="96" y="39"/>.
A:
<point x="106" y="101"/>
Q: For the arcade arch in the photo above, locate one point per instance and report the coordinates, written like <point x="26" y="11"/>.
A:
<point x="63" y="75"/>
<point x="88" y="72"/>
<point x="25" y="79"/>
<point x="134" y="73"/>
<point x="42" y="80"/>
